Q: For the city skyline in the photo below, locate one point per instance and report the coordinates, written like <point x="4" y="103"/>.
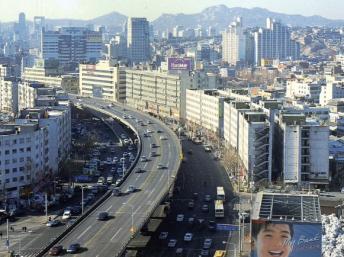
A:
<point x="55" y="9"/>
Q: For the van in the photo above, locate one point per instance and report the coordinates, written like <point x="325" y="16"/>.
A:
<point x="101" y="180"/>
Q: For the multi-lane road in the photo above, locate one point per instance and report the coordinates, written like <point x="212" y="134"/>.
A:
<point x="130" y="211"/>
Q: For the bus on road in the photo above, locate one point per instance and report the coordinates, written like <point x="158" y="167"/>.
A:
<point x="219" y="210"/>
<point x="220" y="194"/>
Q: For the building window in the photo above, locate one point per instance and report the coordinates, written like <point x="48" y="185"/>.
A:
<point x="7" y="180"/>
<point x="28" y="140"/>
<point x="7" y="152"/>
<point x="21" y="178"/>
<point x="14" y="179"/>
<point x="14" y="151"/>
<point x="21" y="150"/>
<point x="21" y="141"/>
<point x="7" y="161"/>
<point x="21" y="168"/>
<point x="14" y="170"/>
<point x="7" y="171"/>
<point x="15" y="141"/>
<point x="28" y="177"/>
<point x="14" y="160"/>
<point x="21" y="159"/>
<point x="28" y="149"/>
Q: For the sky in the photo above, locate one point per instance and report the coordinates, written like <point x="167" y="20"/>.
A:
<point x="88" y="9"/>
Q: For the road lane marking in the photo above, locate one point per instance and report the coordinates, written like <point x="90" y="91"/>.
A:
<point x="116" y="234"/>
<point x="83" y="233"/>
<point x="108" y="208"/>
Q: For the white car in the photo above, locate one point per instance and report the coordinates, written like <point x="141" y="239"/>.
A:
<point x="144" y="159"/>
<point x="180" y="217"/>
<point x="172" y="243"/>
<point x="163" y="235"/>
<point x="163" y="138"/>
<point x="67" y="214"/>
<point x="188" y="237"/>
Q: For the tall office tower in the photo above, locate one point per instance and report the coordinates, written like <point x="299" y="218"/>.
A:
<point x="274" y="42"/>
<point x="22" y="29"/>
<point x="138" y="39"/>
<point x="234" y="43"/>
<point x="72" y="45"/>
<point x="38" y="26"/>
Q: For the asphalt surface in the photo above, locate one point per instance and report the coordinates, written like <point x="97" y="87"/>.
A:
<point x="107" y="238"/>
<point x="199" y="174"/>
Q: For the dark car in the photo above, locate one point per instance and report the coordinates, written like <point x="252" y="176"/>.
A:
<point x="190" y="151"/>
<point x="103" y="216"/>
<point x="205" y="208"/>
<point x="191" y="204"/>
<point x="73" y="248"/>
<point x="56" y="250"/>
<point x="195" y="195"/>
<point x="212" y="225"/>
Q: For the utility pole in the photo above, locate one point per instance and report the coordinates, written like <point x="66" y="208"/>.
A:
<point x="46" y="205"/>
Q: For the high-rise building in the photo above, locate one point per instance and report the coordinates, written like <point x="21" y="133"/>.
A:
<point x="233" y="43"/>
<point x="274" y="42"/>
<point x="38" y="26"/>
<point x="138" y="40"/>
<point x="22" y="29"/>
<point x="72" y="45"/>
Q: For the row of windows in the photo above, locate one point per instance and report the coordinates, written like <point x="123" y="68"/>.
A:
<point x="15" y="179"/>
<point x="16" y="141"/>
<point x="21" y="150"/>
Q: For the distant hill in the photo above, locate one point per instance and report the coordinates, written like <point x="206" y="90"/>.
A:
<point x="221" y="16"/>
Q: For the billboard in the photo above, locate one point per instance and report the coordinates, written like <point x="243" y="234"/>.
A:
<point x="179" y="63"/>
<point x="285" y="239"/>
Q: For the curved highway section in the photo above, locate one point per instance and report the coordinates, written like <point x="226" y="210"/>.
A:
<point x="130" y="211"/>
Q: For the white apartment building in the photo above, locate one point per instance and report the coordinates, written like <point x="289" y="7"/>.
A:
<point x="205" y="108"/>
<point x="250" y="133"/>
<point x="23" y="157"/>
<point x="162" y="93"/>
<point x="333" y="89"/>
<point x="57" y="120"/>
<point x="234" y="43"/>
<point x="255" y="146"/>
<point x="306" y="88"/>
<point x="102" y="80"/>
<point x="301" y="150"/>
<point x="8" y="95"/>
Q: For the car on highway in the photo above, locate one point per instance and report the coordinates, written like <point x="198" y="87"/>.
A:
<point x="56" y="250"/>
<point x="153" y="145"/>
<point x="163" y="138"/>
<point x="149" y="122"/>
<point x="159" y="131"/>
<point x="161" y="166"/>
<point x="180" y="218"/>
<point x="153" y="154"/>
<point x="189" y="151"/>
<point x="131" y="189"/>
<point x="188" y="237"/>
<point x="67" y="214"/>
<point x="73" y="248"/>
<point x="53" y="223"/>
<point x="116" y="192"/>
<point x="172" y="243"/>
<point x="149" y="131"/>
<point x="205" y="208"/>
<point x="207" y="148"/>
<point x="102" y="216"/>
<point x="207" y="243"/>
<point x="118" y="181"/>
<point x="139" y="170"/>
<point x="109" y="180"/>
<point x="163" y="235"/>
<point x="179" y="251"/>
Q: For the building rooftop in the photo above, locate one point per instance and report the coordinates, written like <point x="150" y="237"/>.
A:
<point x="295" y="206"/>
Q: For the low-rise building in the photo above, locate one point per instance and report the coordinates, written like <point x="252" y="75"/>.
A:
<point x="102" y="80"/>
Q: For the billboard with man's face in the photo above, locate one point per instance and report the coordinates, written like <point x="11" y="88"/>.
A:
<point x="285" y="239"/>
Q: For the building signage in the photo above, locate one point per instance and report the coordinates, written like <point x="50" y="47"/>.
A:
<point x="179" y="63"/>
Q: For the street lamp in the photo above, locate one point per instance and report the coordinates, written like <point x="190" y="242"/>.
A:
<point x="82" y="199"/>
<point x="242" y="216"/>
<point x="132" y="229"/>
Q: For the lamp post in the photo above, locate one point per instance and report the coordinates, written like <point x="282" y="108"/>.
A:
<point x="132" y="230"/>
<point x="82" y="200"/>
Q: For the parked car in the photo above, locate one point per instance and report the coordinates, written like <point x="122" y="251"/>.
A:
<point x="67" y="214"/>
<point x="188" y="237"/>
<point x="172" y="243"/>
<point x="163" y="235"/>
<point x="207" y="243"/>
<point x="180" y="217"/>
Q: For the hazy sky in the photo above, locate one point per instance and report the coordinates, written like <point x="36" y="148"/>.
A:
<point x="87" y="9"/>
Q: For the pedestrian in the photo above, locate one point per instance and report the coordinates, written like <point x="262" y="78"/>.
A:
<point x="25" y="228"/>
<point x="12" y="229"/>
<point x="0" y="234"/>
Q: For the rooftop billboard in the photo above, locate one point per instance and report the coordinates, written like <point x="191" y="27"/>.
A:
<point x="179" y="63"/>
